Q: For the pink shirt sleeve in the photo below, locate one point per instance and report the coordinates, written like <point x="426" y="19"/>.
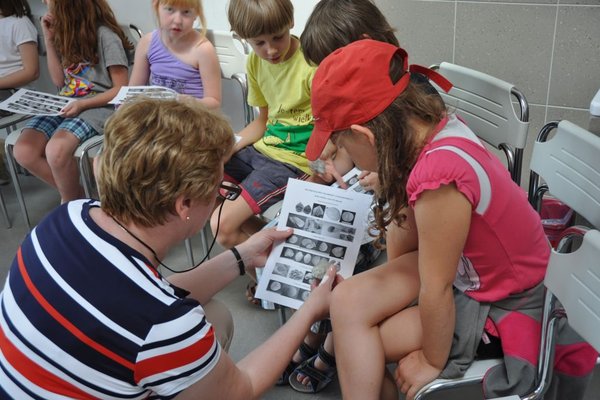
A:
<point x="442" y="167"/>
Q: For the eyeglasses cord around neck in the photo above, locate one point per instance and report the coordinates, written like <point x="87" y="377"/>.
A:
<point x="147" y="246"/>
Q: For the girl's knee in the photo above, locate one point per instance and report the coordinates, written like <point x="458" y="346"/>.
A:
<point x="57" y="154"/>
<point x="344" y="301"/>
<point x="24" y="154"/>
<point x="228" y="232"/>
<point x="29" y="147"/>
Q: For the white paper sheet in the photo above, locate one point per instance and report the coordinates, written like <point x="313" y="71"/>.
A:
<point x="127" y="93"/>
<point x="351" y="179"/>
<point x="31" y="102"/>
<point x="328" y="225"/>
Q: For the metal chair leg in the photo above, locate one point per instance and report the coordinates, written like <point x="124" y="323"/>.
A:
<point x="4" y="211"/>
<point x="85" y="169"/>
<point x="282" y="314"/>
<point x="204" y="235"/>
<point x="189" y="251"/>
<point x="12" y="168"/>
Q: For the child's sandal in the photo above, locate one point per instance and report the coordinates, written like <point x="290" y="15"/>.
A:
<point x="306" y="352"/>
<point x="318" y="379"/>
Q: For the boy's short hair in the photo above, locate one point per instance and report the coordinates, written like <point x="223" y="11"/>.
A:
<point x="158" y="150"/>
<point x="252" y="18"/>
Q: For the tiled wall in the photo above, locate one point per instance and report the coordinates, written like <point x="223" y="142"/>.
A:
<point x="549" y="49"/>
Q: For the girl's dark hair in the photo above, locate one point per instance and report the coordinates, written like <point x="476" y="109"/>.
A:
<point x="397" y="145"/>
<point x="18" y="8"/>
<point x="76" y="32"/>
<point x="336" y="23"/>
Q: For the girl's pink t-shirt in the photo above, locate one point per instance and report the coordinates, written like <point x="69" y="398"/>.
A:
<point x="506" y="250"/>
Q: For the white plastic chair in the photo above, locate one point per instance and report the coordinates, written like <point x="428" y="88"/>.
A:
<point x="84" y="152"/>
<point x="9" y="123"/>
<point x="233" y="52"/>
<point x="486" y="105"/>
<point x="570" y="167"/>
<point x="570" y="160"/>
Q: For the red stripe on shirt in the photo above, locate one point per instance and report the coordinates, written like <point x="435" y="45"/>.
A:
<point x="36" y="374"/>
<point x="176" y="359"/>
<point x="64" y="322"/>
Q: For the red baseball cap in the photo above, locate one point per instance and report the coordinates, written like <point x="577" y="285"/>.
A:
<point x="352" y="86"/>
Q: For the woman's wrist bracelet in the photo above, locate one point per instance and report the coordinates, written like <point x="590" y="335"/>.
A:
<point x="240" y="262"/>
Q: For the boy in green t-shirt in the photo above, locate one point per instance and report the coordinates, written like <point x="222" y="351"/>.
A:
<point x="272" y="147"/>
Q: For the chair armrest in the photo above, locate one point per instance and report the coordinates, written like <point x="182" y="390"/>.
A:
<point x="85" y="148"/>
<point x="474" y="374"/>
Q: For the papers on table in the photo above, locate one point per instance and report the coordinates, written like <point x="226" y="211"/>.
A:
<point x="31" y="102"/>
<point x="328" y="225"/>
<point x="127" y="93"/>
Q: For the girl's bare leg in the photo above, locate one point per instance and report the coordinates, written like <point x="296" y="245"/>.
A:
<point x="30" y="153"/>
<point x="359" y="305"/>
<point x="62" y="162"/>
<point x="402" y="239"/>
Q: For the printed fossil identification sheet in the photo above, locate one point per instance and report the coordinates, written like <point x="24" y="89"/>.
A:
<point x="328" y="224"/>
<point x="31" y="102"/>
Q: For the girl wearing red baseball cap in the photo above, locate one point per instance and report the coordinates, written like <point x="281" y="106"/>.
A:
<point x="474" y="239"/>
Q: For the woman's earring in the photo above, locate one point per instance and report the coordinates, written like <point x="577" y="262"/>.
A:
<point x="187" y="218"/>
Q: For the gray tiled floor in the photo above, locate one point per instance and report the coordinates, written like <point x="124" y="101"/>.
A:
<point x="253" y="324"/>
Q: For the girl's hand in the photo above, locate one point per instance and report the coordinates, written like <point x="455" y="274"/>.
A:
<point x="326" y="171"/>
<point x="255" y="250"/>
<point x="328" y="151"/>
<point x="414" y="371"/>
<point x="369" y="180"/>
<point x="72" y="109"/>
<point x="48" y="26"/>
<point x="320" y="294"/>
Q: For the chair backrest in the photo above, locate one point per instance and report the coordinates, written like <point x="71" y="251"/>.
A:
<point x="485" y="103"/>
<point x="231" y="50"/>
<point x="569" y="164"/>
<point x="37" y="22"/>
<point x="574" y="278"/>
<point x="133" y="34"/>
<point x="233" y="53"/>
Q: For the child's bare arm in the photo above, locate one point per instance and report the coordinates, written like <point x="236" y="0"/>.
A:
<point x="54" y="65"/>
<point x="118" y="75"/>
<point x="30" y="70"/>
<point x="141" y="66"/>
<point x="254" y="130"/>
<point x="210" y="72"/>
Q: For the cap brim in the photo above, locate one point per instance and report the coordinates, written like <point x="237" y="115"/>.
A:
<point x="316" y="143"/>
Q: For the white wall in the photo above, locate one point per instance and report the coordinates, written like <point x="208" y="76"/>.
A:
<point x="140" y="13"/>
